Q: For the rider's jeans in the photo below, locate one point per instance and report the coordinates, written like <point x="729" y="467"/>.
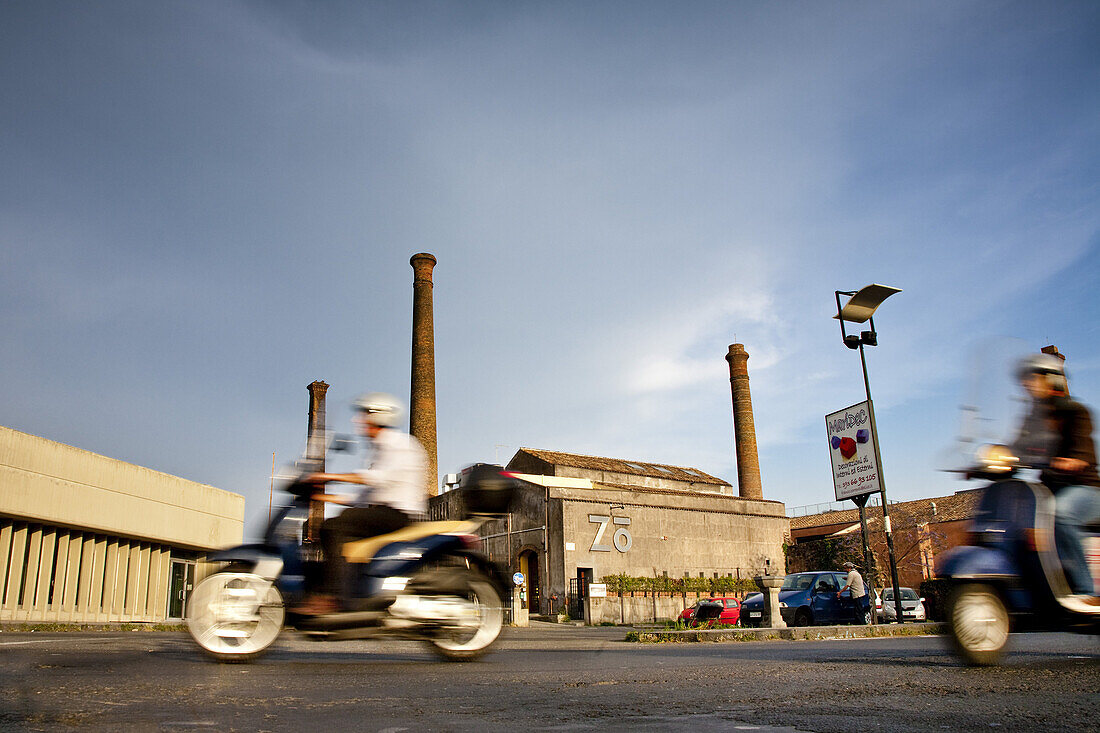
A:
<point x="1077" y="507"/>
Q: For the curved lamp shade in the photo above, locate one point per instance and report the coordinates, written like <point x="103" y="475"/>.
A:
<point x="863" y="304"/>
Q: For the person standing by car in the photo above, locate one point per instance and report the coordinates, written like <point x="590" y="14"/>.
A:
<point x="860" y="601"/>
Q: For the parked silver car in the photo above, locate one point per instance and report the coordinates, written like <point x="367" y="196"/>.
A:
<point x="912" y="605"/>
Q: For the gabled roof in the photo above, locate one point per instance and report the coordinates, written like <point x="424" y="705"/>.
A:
<point x="618" y="465"/>
<point x="959" y="506"/>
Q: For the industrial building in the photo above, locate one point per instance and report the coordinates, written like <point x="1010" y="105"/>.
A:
<point x="90" y="539"/>
<point x="581" y="518"/>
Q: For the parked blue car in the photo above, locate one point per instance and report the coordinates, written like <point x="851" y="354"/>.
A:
<point x="806" y="599"/>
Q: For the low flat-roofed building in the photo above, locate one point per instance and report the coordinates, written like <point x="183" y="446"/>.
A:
<point x="88" y="539"/>
<point x="582" y="518"/>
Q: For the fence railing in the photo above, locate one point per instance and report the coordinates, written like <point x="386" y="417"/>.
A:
<point x="828" y="506"/>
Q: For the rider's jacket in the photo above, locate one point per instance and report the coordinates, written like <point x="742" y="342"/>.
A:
<point x="1072" y="425"/>
<point x="1058" y="427"/>
<point x="396" y="473"/>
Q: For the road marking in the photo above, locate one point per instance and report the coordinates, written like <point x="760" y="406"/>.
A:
<point x="189" y="723"/>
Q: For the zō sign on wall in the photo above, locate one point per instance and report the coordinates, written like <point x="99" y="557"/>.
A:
<point x="852" y="451"/>
<point x="621" y="537"/>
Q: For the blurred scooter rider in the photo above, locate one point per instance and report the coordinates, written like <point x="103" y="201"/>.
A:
<point x="1057" y="433"/>
<point x="393" y="492"/>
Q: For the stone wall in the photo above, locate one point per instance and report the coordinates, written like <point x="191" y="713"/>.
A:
<point x="628" y="609"/>
<point x="671" y="533"/>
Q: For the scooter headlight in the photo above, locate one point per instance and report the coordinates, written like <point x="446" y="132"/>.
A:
<point x="996" y="458"/>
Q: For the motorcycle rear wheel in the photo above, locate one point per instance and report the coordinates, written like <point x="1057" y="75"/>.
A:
<point x="979" y="623"/>
<point x="235" y="617"/>
<point x="487" y="618"/>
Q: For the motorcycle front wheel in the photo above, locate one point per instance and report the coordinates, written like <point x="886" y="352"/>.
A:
<point x="483" y="618"/>
<point x="979" y="623"/>
<point x="235" y="617"/>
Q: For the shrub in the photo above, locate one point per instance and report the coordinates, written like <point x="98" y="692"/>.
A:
<point x="661" y="584"/>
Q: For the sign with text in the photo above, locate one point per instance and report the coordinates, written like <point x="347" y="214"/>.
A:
<point x="597" y="590"/>
<point x="852" y="452"/>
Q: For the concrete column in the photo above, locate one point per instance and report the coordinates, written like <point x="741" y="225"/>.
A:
<point x="770" y="585"/>
<point x="744" y="429"/>
<point x="315" y="448"/>
<point x="422" y="401"/>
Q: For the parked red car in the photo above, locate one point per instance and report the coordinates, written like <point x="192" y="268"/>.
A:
<point x="723" y="611"/>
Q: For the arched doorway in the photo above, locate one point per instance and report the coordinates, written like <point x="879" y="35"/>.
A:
<point x="529" y="566"/>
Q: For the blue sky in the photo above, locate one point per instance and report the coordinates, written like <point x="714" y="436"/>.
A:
<point x="207" y="205"/>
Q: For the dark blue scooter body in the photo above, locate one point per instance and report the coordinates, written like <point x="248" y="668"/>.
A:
<point x="1009" y="576"/>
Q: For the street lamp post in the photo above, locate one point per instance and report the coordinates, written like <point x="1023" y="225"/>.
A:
<point x="861" y="308"/>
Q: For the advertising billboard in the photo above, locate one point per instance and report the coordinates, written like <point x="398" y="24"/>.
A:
<point x="852" y="451"/>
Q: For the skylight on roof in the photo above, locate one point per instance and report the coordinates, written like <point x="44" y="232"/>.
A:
<point x="662" y="469"/>
<point x="635" y="466"/>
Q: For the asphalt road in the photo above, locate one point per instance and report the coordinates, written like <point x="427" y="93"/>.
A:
<point x="545" y="678"/>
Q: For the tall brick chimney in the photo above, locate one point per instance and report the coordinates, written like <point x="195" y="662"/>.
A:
<point x="1053" y="351"/>
<point x="315" y="448"/>
<point x="422" y="399"/>
<point x="744" y="430"/>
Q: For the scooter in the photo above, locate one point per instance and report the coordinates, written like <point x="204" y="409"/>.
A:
<point x="426" y="581"/>
<point x="1009" y="576"/>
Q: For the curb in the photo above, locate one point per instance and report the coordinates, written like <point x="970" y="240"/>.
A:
<point x="803" y="633"/>
<point x="7" y="627"/>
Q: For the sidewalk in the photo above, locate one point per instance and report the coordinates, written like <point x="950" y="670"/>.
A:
<point x="735" y="633"/>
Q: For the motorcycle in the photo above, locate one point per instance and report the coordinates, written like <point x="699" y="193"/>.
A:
<point x="426" y="581"/>
<point x="1008" y="577"/>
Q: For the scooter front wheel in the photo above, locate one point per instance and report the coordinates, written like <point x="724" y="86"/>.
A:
<point x="979" y="623"/>
<point x="235" y="617"/>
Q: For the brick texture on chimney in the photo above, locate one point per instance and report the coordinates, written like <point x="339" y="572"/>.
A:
<point x="422" y="398"/>
<point x="315" y="448"/>
<point x="744" y="429"/>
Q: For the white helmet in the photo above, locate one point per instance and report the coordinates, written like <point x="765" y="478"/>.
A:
<point x="380" y="408"/>
<point x="1048" y="365"/>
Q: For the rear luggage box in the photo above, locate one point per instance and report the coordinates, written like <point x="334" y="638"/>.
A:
<point x="486" y="489"/>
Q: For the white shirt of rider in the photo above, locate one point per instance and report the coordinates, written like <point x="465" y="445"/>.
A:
<point x="396" y="473"/>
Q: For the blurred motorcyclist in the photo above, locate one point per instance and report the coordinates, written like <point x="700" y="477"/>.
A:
<point x="1057" y="434"/>
<point x="393" y="493"/>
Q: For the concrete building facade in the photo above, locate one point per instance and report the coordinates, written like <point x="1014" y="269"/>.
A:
<point x="86" y="539"/>
<point x="582" y="518"/>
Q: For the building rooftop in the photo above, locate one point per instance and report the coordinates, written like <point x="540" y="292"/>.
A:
<point x="958" y="506"/>
<point x="618" y="465"/>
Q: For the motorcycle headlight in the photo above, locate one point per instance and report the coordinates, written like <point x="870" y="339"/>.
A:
<point x="996" y="458"/>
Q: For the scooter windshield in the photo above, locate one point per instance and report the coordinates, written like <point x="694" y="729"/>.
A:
<point x="993" y="406"/>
